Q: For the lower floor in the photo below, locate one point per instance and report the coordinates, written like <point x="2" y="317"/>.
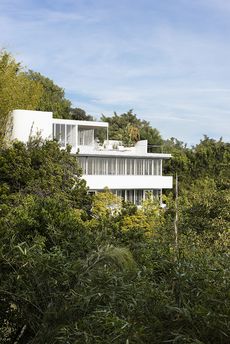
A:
<point x="126" y="182"/>
<point x="135" y="196"/>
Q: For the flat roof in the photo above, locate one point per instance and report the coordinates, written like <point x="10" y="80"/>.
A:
<point x="92" y="124"/>
<point x="126" y="154"/>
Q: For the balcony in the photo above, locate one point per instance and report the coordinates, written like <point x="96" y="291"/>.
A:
<point x="99" y="182"/>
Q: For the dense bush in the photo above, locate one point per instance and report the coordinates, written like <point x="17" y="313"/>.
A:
<point x="71" y="273"/>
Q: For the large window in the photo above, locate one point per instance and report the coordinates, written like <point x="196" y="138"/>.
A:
<point x="130" y="166"/>
<point x="85" y="137"/>
<point x="65" y="134"/>
<point x="140" y="166"/>
<point x="112" y="163"/>
<point x="120" y="166"/>
<point x="136" y="196"/>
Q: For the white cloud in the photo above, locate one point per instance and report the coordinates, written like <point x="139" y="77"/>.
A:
<point x="178" y="79"/>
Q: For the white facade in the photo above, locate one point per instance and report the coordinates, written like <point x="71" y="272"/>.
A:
<point x="128" y="171"/>
<point x="26" y="123"/>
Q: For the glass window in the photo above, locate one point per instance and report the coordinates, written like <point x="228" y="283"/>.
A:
<point x="121" y="166"/>
<point x="71" y="135"/>
<point x="156" y="167"/>
<point x="54" y="131"/>
<point x="62" y="135"/>
<point x="130" y="170"/>
<point x="65" y="134"/>
<point x="138" y="196"/>
<point x="140" y="166"/>
<point x="112" y="166"/>
<point x="119" y="193"/>
<point x="83" y="164"/>
<point x="130" y="196"/>
<point x="150" y="167"/>
<point x="59" y="133"/>
<point x="102" y="166"/>
<point x="91" y="169"/>
<point x="85" y="137"/>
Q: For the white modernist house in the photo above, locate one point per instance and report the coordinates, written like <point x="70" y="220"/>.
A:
<point x="129" y="172"/>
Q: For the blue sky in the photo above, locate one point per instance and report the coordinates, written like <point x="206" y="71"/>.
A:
<point x="168" y="60"/>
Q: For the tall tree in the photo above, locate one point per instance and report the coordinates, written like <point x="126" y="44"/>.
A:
<point x="210" y="158"/>
<point x="16" y="90"/>
<point x="129" y="129"/>
<point x="53" y="98"/>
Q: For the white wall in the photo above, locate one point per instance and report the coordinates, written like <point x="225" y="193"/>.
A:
<point x="98" y="182"/>
<point x="27" y="122"/>
<point x="141" y="147"/>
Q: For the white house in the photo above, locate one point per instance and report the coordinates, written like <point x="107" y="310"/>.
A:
<point x="129" y="172"/>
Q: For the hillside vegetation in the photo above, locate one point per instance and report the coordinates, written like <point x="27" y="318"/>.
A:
<point x="75" y="270"/>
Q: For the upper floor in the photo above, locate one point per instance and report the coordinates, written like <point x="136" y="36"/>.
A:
<point x="85" y="137"/>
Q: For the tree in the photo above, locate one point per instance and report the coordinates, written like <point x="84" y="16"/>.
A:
<point x="40" y="195"/>
<point x="50" y="262"/>
<point x="203" y="207"/>
<point x="180" y="162"/>
<point x="66" y="276"/>
<point x="16" y="90"/>
<point x="147" y="218"/>
<point x="129" y="129"/>
<point x="210" y="158"/>
<point x="72" y="270"/>
<point x="80" y="115"/>
<point x="105" y="205"/>
<point x="41" y="168"/>
<point x="53" y="98"/>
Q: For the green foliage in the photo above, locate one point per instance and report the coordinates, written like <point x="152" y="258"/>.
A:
<point x="105" y="204"/>
<point x="67" y="277"/>
<point x="203" y="184"/>
<point x="204" y="207"/>
<point x="53" y="97"/>
<point x="211" y="159"/>
<point x="129" y="129"/>
<point x="80" y="270"/>
<point x="29" y="90"/>
<point x="147" y="218"/>
<point x="80" y="115"/>
<point x="42" y="169"/>
<point x="16" y="91"/>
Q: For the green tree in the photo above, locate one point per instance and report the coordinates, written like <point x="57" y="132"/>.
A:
<point x="40" y="194"/>
<point x="53" y="98"/>
<point x="80" y="115"/>
<point x="129" y="129"/>
<point x="16" y="90"/>
<point x="147" y="218"/>
<point x="180" y="163"/>
<point x="210" y="158"/>
<point x="50" y="262"/>
<point x="65" y="279"/>
<point x="105" y="204"/>
<point x="203" y="207"/>
<point x="41" y="168"/>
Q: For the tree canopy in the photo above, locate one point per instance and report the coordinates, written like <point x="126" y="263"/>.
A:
<point x="76" y="269"/>
<point x="80" y="115"/>
<point x="16" y="90"/>
<point x="95" y="270"/>
<point x="53" y="96"/>
<point x="129" y="129"/>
